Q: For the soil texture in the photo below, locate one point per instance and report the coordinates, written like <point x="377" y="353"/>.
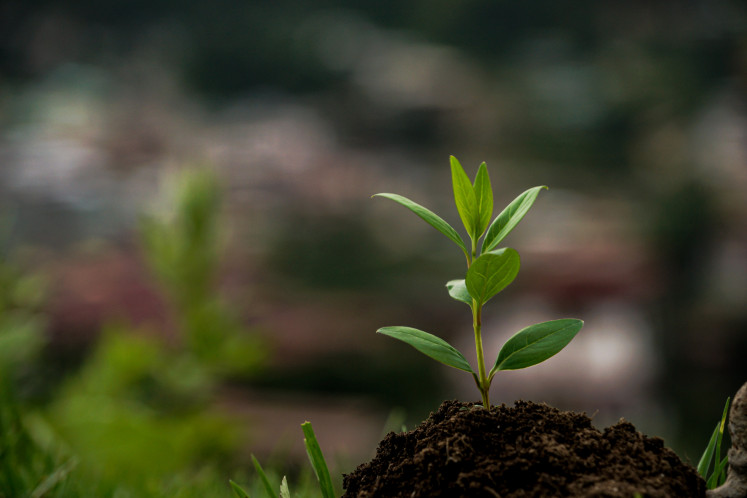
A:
<point x="529" y="450"/>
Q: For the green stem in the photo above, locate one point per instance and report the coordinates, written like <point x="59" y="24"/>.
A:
<point x="483" y="383"/>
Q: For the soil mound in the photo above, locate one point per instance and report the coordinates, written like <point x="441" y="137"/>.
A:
<point x="530" y="450"/>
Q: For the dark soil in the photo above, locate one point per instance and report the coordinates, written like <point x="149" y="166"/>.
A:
<point x="530" y="450"/>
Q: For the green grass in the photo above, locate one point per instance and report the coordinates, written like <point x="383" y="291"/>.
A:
<point x="715" y="475"/>
<point x="318" y="464"/>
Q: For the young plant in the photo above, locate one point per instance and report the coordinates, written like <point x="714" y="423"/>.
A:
<point x="489" y="271"/>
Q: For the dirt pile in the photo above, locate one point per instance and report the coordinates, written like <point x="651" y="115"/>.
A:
<point x="530" y="450"/>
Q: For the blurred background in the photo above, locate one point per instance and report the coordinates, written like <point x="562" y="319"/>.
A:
<point x="191" y="264"/>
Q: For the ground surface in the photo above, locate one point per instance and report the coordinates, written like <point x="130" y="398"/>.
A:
<point x="529" y="450"/>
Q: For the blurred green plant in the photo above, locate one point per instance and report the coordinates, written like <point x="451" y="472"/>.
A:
<point x="22" y="322"/>
<point x="712" y="453"/>
<point x="32" y="462"/>
<point x="139" y="412"/>
<point x="488" y="273"/>
<point x="183" y="247"/>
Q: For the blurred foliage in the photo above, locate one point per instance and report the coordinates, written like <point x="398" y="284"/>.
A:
<point x="183" y="249"/>
<point x="392" y="378"/>
<point x="225" y="48"/>
<point x="137" y="412"/>
<point x="32" y="462"/>
<point x="332" y="252"/>
<point x="22" y="296"/>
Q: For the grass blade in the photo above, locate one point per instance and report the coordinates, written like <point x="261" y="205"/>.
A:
<point x="269" y="488"/>
<point x="722" y="476"/>
<point x="712" y="453"/>
<point x="718" y="470"/>
<point x="705" y="459"/>
<point x="59" y="475"/>
<point x="317" y="461"/>
<point x="430" y="217"/>
<point x="721" y="433"/>
<point x="284" y="491"/>
<point x="429" y="345"/>
<point x="238" y="490"/>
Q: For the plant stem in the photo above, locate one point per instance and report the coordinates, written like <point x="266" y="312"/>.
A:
<point x="483" y="383"/>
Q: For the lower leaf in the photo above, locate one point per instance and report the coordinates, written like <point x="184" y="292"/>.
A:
<point x="536" y="343"/>
<point x="430" y="345"/>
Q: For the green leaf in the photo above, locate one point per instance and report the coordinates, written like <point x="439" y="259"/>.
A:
<point x="509" y="218"/>
<point x="240" y="491"/>
<point x="430" y="217"/>
<point x="317" y="461"/>
<point x="269" y="488"/>
<point x="430" y="345"/>
<point x="714" y="450"/>
<point x="707" y="456"/>
<point x="718" y="469"/>
<point x="484" y="196"/>
<point x="284" y="491"/>
<point x="722" y="473"/>
<point x="465" y="198"/>
<point x="721" y="428"/>
<point x="491" y="273"/>
<point x="536" y="343"/>
<point x="56" y="477"/>
<point x="458" y="290"/>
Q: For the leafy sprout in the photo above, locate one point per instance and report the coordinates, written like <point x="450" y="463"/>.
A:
<point x="489" y="271"/>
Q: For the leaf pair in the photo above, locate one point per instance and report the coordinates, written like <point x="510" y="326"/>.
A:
<point x="529" y="346"/>
<point x="474" y="201"/>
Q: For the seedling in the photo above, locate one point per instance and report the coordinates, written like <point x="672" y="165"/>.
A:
<point x="488" y="272"/>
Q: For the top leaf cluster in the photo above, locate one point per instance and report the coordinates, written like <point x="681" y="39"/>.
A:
<point x="474" y="201"/>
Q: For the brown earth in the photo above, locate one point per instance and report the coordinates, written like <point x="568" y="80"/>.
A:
<point x="529" y="450"/>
